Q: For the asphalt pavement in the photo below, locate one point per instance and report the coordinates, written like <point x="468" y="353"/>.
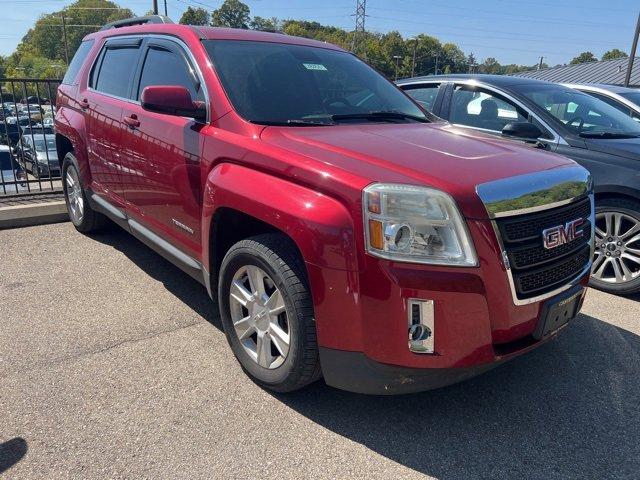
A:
<point x="113" y="365"/>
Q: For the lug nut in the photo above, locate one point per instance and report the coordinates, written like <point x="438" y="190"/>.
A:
<point x="608" y="254"/>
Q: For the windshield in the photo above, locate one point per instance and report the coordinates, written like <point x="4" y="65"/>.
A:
<point x="49" y="142"/>
<point x="632" y="96"/>
<point x="274" y="83"/>
<point x="580" y="113"/>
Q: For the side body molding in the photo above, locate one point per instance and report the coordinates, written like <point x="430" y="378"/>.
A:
<point x="321" y="226"/>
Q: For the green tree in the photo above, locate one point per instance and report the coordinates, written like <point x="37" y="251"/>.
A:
<point x="613" y="54"/>
<point x="195" y="16"/>
<point x="232" y="13"/>
<point x="265" y="24"/>
<point x="491" y="66"/>
<point x="46" y="37"/>
<point x="584" y="57"/>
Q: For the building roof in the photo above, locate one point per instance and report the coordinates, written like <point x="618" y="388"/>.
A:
<point x="610" y="72"/>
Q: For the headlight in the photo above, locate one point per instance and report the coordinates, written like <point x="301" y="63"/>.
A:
<point x="415" y="224"/>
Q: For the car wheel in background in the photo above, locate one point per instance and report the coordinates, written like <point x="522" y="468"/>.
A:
<point x="83" y="217"/>
<point x="267" y="312"/>
<point x="616" y="264"/>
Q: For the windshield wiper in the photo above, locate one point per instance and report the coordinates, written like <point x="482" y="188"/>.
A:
<point x="377" y="116"/>
<point x="608" y="135"/>
<point x="293" y="123"/>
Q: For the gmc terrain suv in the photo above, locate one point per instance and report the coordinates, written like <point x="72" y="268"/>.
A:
<point x="345" y="232"/>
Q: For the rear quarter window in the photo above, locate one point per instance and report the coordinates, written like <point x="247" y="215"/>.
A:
<point x="70" y="78"/>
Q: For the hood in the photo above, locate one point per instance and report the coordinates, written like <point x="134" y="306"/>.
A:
<point x="438" y="155"/>
<point x="623" y="147"/>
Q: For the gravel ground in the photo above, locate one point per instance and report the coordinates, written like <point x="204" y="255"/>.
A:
<point x="113" y="364"/>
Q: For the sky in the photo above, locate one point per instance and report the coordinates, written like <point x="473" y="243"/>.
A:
<point x="513" y="31"/>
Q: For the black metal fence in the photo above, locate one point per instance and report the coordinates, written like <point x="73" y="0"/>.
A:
<point x="28" y="157"/>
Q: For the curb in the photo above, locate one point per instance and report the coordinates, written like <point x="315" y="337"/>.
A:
<point x="33" y="214"/>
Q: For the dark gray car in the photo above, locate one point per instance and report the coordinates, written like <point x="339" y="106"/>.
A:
<point x="563" y="120"/>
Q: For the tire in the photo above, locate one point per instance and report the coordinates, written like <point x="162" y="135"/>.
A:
<point x="274" y="258"/>
<point x="617" y="247"/>
<point x="83" y="217"/>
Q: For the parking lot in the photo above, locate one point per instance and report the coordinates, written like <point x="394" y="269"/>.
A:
<point x="113" y="364"/>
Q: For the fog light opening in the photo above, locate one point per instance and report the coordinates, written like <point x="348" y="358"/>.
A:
<point x="421" y="328"/>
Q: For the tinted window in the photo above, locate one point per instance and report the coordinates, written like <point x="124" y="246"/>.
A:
<point x="116" y="70"/>
<point x="425" y="95"/>
<point x="77" y="62"/>
<point x="580" y="113"/>
<point x="163" y="67"/>
<point x="273" y="82"/>
<point x="483" y="109"/>
<point x="614" y="103"/>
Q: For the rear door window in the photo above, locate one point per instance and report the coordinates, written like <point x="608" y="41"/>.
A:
<point x="117" y="65"/>
<point x="425" y="95"/>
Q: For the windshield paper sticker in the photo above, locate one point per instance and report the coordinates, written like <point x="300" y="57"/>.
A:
<point x="314" y="66"/>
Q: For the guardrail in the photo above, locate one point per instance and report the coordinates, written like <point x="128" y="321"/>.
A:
<point x="28" y="158"/>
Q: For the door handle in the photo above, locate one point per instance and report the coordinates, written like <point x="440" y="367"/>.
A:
<point x="132" y="121"/>
<point x="84" y="104"/>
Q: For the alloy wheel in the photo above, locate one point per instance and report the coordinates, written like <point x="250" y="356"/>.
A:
<point x="259" y="316"/>
<point x="74" y="195"/>
<point x="617" y="252"/>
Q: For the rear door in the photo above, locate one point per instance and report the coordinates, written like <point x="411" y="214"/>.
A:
<point x="162" y="180"/>
<point x="109" y="90"/>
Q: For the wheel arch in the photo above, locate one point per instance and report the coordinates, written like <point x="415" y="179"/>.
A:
<point x="241" y="202"/>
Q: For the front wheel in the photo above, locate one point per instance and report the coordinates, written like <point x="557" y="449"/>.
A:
<point x="267" y="312"/>
<point x="616" y="264"/>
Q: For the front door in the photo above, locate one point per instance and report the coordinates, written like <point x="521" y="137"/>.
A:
<point x="162" y="181"/>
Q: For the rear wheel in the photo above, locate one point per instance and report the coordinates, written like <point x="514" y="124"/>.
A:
<point x="267" y="312"/>
<point x="616" y="264"/>
<point x="83" y="217"/>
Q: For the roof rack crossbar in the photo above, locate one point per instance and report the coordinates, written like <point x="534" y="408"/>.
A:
<point x="128" y="22"/>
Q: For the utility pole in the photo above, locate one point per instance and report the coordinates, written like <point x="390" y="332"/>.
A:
<point x="397" y="57"/>
<point x="632" y="56"/>
<point x="413" y="62"/>
<point x="436" y="69"/>
<point x="165" y="9"/>
<point x="155" y="7"/>
<point x="540" y="64"/>
<point x="64" y="38"/>
<point x="361" y="14"/>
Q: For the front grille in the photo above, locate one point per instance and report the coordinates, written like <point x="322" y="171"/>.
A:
<point x="535" y="269"/>
<point x="527" y="227"/>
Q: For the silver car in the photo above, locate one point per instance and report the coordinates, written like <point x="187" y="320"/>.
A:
<point x="38" y="155"/>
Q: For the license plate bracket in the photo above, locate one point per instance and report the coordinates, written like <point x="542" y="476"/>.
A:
<point x="558" y="312"/>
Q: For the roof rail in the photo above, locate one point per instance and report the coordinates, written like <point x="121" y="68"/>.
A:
<point x="128" y="22"/>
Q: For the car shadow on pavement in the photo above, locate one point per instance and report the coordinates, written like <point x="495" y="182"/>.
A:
<point x="11" y="452"/>
<point x="181" y="285"/>
<point x="570" y="409"/>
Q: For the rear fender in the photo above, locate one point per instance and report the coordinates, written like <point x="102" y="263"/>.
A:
<point x="71" y="125"/>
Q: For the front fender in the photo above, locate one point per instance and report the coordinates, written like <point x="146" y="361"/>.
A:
<point x="321" y="227"/>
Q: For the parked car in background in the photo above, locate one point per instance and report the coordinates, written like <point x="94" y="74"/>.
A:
<point x="566" y="121"/>
<point x="344" y="231"/>
<point x="10" y="133"/>
<point x="11" y="175"/>
<point x="627" y="100"/>
<point x="37" y="154"/>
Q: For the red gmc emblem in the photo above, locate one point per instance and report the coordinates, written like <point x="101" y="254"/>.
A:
<point x="555" y="236"/>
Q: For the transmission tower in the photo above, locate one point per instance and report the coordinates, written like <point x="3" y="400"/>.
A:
<point x="361" y="14"/>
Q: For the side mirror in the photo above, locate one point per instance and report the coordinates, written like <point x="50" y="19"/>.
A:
<point x="172" y="100"/>
<point x="522" y="130"/>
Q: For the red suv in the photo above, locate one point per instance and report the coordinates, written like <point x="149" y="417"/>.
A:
<point x="345" y="232"/>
